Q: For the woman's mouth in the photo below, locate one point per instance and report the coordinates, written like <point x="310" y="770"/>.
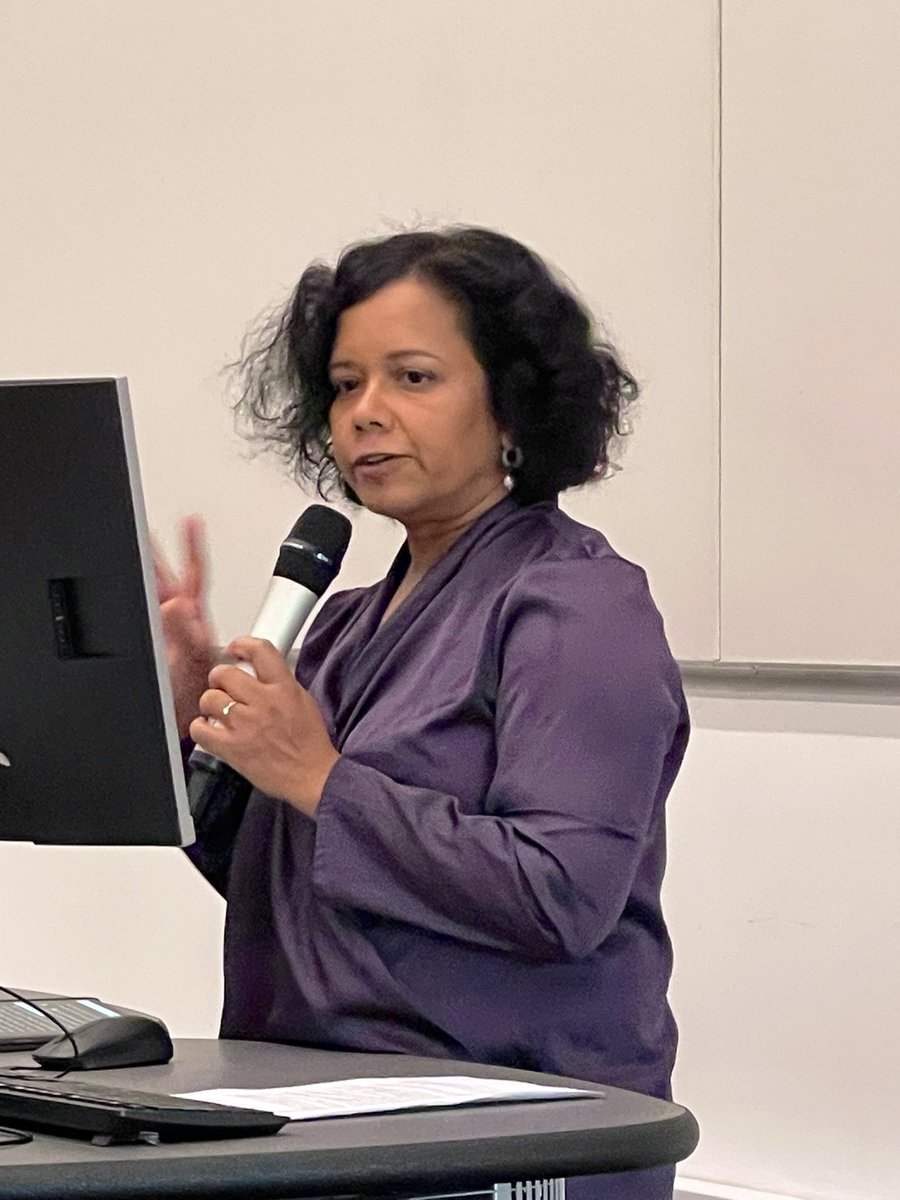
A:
<point x="373" y="468"/>
<point x="372" y="460"/>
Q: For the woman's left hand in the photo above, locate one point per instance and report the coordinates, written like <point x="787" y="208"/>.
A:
<point x="272" y="732"/>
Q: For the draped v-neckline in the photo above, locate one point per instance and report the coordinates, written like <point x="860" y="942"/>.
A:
<point x="376" y="641"/>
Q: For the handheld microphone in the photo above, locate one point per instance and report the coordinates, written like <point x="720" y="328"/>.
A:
<point x="308" y="561"/>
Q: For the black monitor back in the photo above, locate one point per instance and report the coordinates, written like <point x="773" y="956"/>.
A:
<point x="89" y="751"/>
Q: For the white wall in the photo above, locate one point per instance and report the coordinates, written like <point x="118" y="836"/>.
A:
<point x="783" y="896"/>
<point x="177" y="165"/>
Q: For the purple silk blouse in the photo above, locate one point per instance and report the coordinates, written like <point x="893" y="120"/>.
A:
<point x="483" y="878"/>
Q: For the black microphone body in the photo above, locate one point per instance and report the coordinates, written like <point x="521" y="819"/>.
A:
<point x="308" y="561"/>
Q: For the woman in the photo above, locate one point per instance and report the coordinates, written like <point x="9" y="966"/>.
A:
<point x="457" y="840"/>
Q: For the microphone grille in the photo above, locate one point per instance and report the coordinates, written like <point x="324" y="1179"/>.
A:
<point x="323" y="527"/>
<point x="313" y="551"/>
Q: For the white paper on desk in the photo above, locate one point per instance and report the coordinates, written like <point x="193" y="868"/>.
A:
<point x="352" y="1097"/>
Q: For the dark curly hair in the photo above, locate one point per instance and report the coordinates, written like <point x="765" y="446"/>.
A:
<point x="557" y="390"/>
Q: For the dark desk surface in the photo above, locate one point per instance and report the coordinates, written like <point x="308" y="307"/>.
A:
<point x="418" y="1152"/>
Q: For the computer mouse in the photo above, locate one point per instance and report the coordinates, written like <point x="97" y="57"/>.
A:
<point x="126" y="1041"/>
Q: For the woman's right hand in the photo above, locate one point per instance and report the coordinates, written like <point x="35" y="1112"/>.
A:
<point x="190" y="644"/>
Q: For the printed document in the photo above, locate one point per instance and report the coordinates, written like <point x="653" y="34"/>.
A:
<point x="354" y="1097"/>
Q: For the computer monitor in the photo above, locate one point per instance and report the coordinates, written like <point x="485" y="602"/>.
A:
<point x="89" y="751"/>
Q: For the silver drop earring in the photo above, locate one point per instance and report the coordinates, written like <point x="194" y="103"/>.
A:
<point x="511" y="458"/>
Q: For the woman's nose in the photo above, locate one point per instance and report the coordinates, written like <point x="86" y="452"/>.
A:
<point x="370" y="409"/>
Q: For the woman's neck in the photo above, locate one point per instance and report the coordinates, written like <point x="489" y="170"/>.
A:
<point x="429" y="541"/>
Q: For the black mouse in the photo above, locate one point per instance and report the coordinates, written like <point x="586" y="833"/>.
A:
<point x="126" y="1041"/>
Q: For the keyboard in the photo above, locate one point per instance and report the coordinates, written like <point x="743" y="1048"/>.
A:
<point x="25" y="1027"/>
<point x="111" y="1114"/>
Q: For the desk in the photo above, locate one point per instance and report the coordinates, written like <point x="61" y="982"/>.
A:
<point x="408" y="1153"/>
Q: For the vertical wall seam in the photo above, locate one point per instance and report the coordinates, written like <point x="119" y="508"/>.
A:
<point x="719" y="326"/>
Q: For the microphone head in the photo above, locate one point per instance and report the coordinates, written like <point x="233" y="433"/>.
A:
<point x="313" y="551"/>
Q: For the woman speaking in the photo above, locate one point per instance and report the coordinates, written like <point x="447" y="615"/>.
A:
<point x="456" y="840"/>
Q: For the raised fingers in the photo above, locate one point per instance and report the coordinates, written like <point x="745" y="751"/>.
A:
<point x="167" y="584"/>
<point x="193" y="532"/>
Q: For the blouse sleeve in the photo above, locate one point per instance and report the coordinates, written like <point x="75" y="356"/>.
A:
<point x="589" y="716"/>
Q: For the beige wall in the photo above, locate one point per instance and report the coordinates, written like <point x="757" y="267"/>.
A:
<point x="810" y="331"/>
<point x="179" y="164"/>
<point x="168" y="170"/>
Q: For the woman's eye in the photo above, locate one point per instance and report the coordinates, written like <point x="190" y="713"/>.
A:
<point x="416" y="377"/>
<point x="342" y="386"/>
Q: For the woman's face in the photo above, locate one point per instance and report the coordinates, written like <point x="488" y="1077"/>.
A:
<point x="411" y="426"/>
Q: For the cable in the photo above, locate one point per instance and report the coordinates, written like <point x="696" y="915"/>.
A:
<point x="14" y="1137"/>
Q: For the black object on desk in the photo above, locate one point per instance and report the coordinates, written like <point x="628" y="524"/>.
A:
<point x="404" y="1153"/>
<point x="80" y="1033"/>
<point x="25" y="1025"/>
<point x="119" y="1041"/>
<point x="111" y="1115"/>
